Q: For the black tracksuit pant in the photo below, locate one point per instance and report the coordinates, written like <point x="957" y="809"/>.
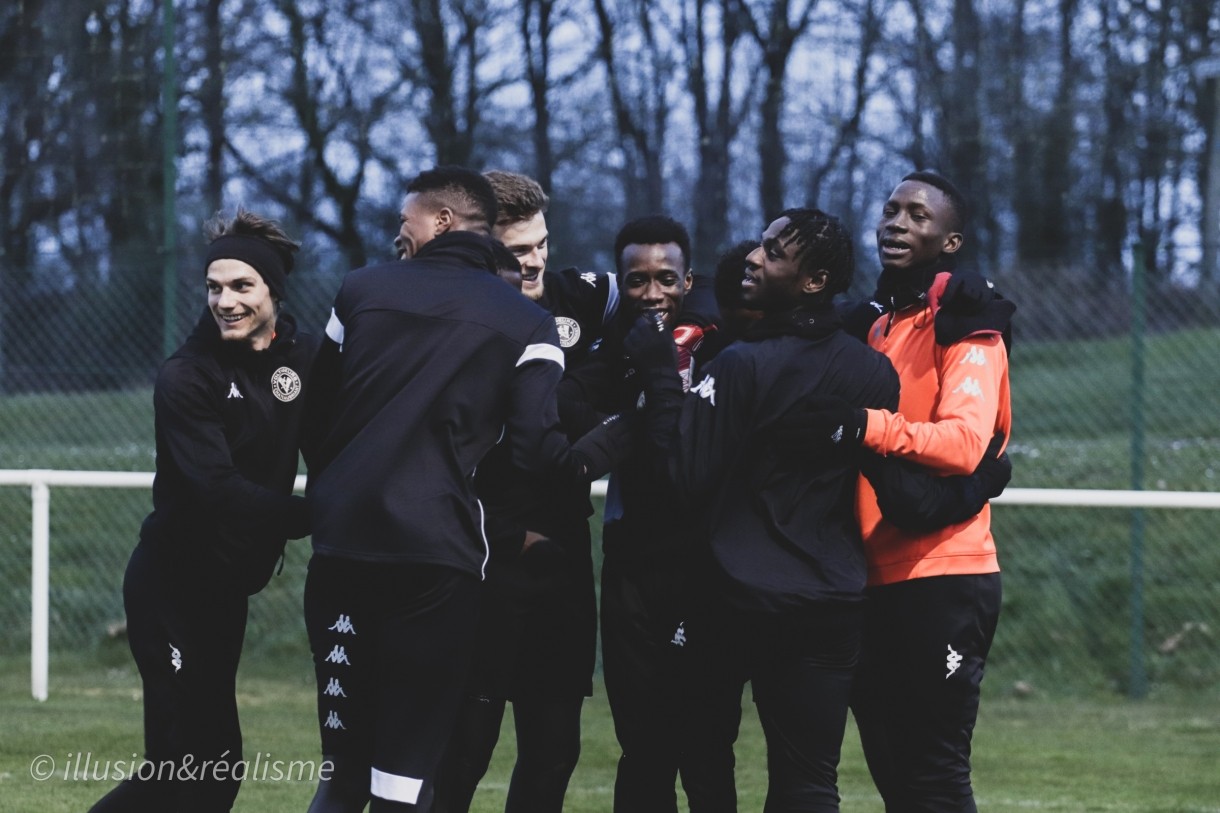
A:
<point x="391" y="647"/>
<point x="800" y="664"/>
<point x="917" y="692"/>
<point x="186" y="635"/>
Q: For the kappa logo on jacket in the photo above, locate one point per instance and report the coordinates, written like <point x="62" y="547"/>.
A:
<point x="706" y="389"/>
<point x="970" y="386"/>
<point x="975" y="356"/>
<point x="952" y="662"/>
<point x="589" y="277"/>
<point x="234" y="392"/>
<point x="175" y="658"/>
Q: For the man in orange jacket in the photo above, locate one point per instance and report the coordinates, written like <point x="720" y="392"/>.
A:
<point x="934" y="594"/>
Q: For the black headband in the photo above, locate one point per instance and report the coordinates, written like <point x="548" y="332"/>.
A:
<point x="272" y="264"/>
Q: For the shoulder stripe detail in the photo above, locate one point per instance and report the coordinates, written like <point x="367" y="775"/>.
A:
<point x="334" y="328"/>
<point x="395" y="788"/>
<point x="611" y="298"/>
<point x="541" y="352"/>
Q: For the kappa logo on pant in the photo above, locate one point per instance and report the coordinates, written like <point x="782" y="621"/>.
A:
<point x="175" y="658"/>
<point x="333" y="721"/>
<point x="953" y="661"/>
<point x="338" y="655"/>
<point x="679" y="638"/>
<point x="343" y="625"/>
<point x="334" y="688"/>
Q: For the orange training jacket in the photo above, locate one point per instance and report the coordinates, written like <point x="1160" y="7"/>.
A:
<point x="953" y="400"/>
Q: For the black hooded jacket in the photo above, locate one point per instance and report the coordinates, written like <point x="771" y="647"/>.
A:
<point x="229" y="424"/>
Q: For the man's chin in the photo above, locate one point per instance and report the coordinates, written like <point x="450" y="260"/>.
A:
<point x="532" y="289"/>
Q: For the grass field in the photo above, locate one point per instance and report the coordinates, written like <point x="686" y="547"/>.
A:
<point x="1056" y="732"/>
<point x="1094" y="755"/>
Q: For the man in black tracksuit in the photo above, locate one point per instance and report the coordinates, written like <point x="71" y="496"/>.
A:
<point x="644" y="539"/>
<point x="431" y="359"/>
<point x="783" y="572"/>
<point x="229" y="410"/>
<point x="536" y="643"/>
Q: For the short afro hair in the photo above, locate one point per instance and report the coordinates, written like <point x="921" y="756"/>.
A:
<point x="957" y="201"/>
<point x="463" y="190"/>
<point x="652" y="230"/>
<point x="519" y="197"/>
<point x="822" y="243"/>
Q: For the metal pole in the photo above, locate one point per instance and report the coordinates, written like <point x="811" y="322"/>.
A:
<point x="169" y="148"/>
<point x="40" y="588"/>
<point x="1139" y="673"/>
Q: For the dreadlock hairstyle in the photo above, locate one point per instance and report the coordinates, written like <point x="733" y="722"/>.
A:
<point x="652" y="230"/>
<point x="822" y="243"/>
<point x="467" y="193"/>
<point x="957" y="201"/>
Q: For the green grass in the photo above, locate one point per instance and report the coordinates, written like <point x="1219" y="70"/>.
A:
<point x="1056" y="732"/>
<point x="1092" y="755"/>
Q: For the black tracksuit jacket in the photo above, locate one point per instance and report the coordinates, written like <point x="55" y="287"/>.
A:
<point x="781" y="528"/>
<point x="229" y="424"/>
<point x="428" y="361"/>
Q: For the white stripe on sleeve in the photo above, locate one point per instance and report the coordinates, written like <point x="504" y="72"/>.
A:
<point x="611" y="299"/>
<point x="334" y="328"/>
<point x="541" y="352"/>
<point x="395" y="788"/>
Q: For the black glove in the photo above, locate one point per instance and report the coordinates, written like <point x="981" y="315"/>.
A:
<point x="967" y="293"/>
<point x="650" y="344"/>
<point x="859" y="317"/>
<point x="994" y="470"/>
<point x="823" y="424"/>
<point x="602" y="448"/>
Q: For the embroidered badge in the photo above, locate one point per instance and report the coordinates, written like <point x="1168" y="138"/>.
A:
<point x="285" y="384"/>
<point x="569" y="331"/>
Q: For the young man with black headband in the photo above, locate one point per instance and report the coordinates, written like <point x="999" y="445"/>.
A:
<point x="229" y="409"/>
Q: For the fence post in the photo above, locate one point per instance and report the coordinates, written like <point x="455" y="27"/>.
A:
<point x="169" y="182"/>
<point x="40" y="587"/>
<point x="1138" y="679"/>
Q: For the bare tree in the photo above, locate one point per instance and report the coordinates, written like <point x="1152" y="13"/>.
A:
<point x="775" y="26"/>
<point x="717" y="120"/>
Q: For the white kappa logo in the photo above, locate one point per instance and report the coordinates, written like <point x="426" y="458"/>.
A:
<point x="234" y="392"/>
<point x="975" y="356"/>
<point x="338" y="655"/>
<point x="952" y="662"/>
<point x="175" y="657"/>
<point x="707" y="389"/>
<point x="285" y="384"/>
<point x="333" y="721"/>
<point x="589" y="277"/>
<point x="970" y="386"/>
<point x="680" y="635"/>
<point x="343" y="625"/>
<point x="334" y="689"/>
<point x="569" y="331"/>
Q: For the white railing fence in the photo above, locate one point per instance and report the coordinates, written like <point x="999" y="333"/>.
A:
<point x="40" y="482"/>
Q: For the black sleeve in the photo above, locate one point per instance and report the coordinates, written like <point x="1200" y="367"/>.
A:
<point x="192" y="428"/>
<point x="586" y="393"/>
<point x="324" y="380"/>
<point x="915" y="499"/>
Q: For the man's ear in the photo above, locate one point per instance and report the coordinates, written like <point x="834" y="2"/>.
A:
<point x="953" y="242"/>
<point x="444" y="220"/>
<point x="815" y="282"/>
<point x="690" y="280"/>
